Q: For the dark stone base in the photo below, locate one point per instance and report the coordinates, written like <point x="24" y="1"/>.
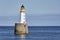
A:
<point x="21" y="28"/>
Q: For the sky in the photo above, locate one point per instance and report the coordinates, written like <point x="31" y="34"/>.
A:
<point x="38" y="12"/>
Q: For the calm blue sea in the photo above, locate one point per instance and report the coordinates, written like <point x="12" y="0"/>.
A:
<point x="35" y="33"/>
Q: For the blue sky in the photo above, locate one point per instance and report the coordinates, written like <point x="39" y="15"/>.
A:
<point x="38" y="12"/>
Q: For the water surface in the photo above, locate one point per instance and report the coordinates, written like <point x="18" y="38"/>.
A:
<point x="35" y="33"/>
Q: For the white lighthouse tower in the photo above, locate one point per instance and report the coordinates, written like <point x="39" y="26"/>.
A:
<point x="23" y="15"/>
<point x="21" y="27"/>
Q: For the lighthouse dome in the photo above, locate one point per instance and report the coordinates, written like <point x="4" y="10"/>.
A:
<point x="22" y="9"/>
<point x="22" y="6"/>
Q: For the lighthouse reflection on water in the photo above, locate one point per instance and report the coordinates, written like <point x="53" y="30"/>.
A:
<point x="22" y="37"/>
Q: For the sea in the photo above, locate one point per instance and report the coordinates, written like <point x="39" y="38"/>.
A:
<point x="35" y="33"/>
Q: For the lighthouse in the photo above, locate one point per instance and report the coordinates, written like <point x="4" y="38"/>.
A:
<point x="22" y="27"/>
<point x="23" y="15"/>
